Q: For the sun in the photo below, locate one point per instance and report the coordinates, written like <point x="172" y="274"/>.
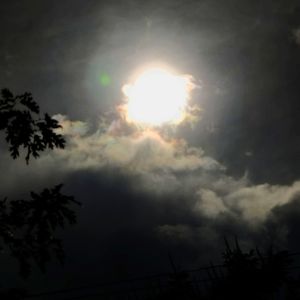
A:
<point x="157" y="97"/>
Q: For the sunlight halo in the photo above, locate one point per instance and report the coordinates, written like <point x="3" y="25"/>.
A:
<point x="157" y="97"/>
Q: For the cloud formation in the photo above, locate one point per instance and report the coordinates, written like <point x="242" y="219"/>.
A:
<point x="168" y="168"/>
<point x="141" y="151"/>
<point x="179" y="195"/>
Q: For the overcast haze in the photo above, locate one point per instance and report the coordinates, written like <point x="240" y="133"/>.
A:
<point x="234" y="172"/>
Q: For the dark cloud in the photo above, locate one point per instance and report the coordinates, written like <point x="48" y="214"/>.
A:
<point x="285" y="222"/>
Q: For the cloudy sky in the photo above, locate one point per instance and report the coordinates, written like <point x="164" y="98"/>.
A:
<point x="233" y="170"/>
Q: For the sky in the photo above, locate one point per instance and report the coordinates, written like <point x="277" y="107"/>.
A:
<point x="232" y="171"/>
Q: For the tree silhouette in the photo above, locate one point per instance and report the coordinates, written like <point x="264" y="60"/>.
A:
<point x="28" y="227"/>
<point x="251" y="275"/>
<point x="23" y="126"/>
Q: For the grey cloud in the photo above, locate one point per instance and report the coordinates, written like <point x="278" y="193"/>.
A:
<point x="141" y="151"/>
<point x="196" y="201"/>
<point x="296" y="34"/>
<point x="164" y="166"/>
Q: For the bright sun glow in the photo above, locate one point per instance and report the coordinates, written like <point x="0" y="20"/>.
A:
<point x="157" y="97"/>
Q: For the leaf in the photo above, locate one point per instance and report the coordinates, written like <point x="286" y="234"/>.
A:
<point x="23" y="129"/>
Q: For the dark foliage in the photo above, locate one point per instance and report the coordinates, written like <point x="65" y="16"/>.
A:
<point x="251" y="275"/>
<point x="27" y="227"/>
<point x="23" y="126"/>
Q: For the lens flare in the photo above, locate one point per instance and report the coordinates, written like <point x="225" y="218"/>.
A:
<point x="105" y="79"/>
<point x="157" y="97"/>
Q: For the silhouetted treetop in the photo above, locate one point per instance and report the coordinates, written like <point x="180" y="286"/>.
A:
<point x="24" y="127"/>
<point x="28" y="227"/>
<point x="251" y="274"/>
